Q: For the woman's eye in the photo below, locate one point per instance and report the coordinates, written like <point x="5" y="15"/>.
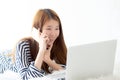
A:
<point x="57" y="29"/>
<point x="48" y="29"/>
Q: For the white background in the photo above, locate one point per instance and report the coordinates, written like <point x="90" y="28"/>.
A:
<point x="83" y="21"/>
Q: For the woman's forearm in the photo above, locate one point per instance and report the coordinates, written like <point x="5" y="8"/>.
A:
<point x="54" y="65"/>
<point x="39" y="60"/>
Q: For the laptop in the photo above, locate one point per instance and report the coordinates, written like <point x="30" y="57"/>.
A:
<point x="91" y="60"/>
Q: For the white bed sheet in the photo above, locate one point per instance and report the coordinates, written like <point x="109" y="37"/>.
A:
<point x="10" y="75"/>
<point x="54" y="76"/>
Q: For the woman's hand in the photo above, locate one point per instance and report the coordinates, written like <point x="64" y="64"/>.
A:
<point x="44" y="50"/>
<point x="48" y="60"/>
<point x="47" y="54"/>
<point x="43" y="39"/>
<point x="45" y="47"/>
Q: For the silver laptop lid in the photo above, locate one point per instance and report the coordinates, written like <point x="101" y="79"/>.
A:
<point x="90" y="60"/>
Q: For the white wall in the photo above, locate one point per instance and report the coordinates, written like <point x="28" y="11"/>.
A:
<point x="83" y="21"/>
<point x="95" y="20"/>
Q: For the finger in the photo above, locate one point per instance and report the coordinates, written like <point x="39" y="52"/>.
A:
<point x="45" y="38"/>
<point x="43" y="35"/>
<point x="49" y="47"/>
<point x="39" y="33"/>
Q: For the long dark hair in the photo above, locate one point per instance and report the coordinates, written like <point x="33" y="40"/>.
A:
<point x="59" y="50"/>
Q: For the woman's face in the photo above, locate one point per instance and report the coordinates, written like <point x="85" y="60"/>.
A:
<point x="51" y="29"/>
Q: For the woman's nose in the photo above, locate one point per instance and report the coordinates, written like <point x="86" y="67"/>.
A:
<point x="52" y="33"/>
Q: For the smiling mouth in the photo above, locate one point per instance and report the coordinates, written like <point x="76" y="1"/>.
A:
<point x="51" y="41"/>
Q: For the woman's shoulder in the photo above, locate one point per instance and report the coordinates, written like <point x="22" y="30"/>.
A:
<point x="25" y="41"/>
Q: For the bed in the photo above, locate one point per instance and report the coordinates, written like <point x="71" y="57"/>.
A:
<point x="9" y="75"/>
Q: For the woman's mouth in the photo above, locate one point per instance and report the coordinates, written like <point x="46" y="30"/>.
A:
<point x="51" y="41"/>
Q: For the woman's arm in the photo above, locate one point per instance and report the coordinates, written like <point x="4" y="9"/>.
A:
<point x="50" y="62"/>
<point x="24" y="62"/>
<point x="39" y="60"/>
<point x="53" y="64"/>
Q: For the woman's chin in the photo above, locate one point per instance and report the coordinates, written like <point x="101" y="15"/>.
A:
<point x="50" y="43"/>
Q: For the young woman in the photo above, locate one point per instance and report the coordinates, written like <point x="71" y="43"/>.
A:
<point x="37" y="57"/>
